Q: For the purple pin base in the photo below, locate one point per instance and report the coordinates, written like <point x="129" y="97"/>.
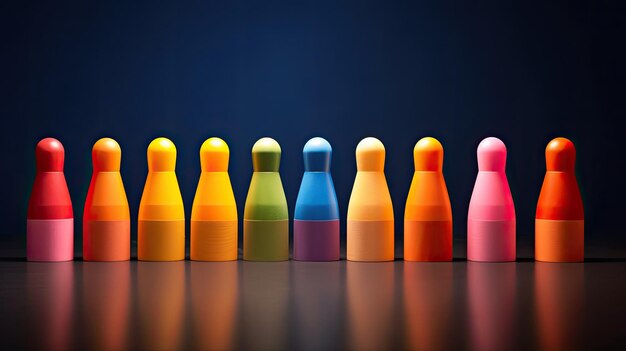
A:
<point x="316" y="240"/>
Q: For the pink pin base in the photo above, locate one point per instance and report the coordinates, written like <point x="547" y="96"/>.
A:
<point x="316" y="240"/>
<point x="50" y="240"/>
<point x="491" y="241"/>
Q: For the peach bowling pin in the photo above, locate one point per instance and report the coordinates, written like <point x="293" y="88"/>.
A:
<point x="106" y="219"/>
<point x="161" y="225"/>
<point x="214" y="211"/>
<point x="560" y="219"/>
<point x="428" y="214"/>
<point x="50" y="219"/>
<point x="370" y="227"/>
<point x="491" y="217"/>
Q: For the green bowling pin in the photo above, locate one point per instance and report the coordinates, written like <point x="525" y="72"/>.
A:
<point x="266" y="218"/>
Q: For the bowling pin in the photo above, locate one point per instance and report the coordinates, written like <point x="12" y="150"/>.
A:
<point x="106" y="218"/>
<point x="161" y="227"/>
<point x="214" y="211"/>
<point x="266" y="218"/>
<point x="428" y="214"/>
<point x="491" y="217"/>
<point x="560" y="220"/>
<point x="370" y="211"/>
<point x="50" y="219"/>
<point x="316" y="219"/>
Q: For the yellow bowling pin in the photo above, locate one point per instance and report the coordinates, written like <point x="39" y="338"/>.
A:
<point x="370" y="211"/>
<point x="161" y="228"/>
<point x="214" y="211"/>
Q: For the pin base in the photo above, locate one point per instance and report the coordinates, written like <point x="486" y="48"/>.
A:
<point x="106" y="240"/>
<point x="370" y="241"/>
<point x="213" y="241"/>
<point x="50" y="240"/>
<point x="316" y="240"/>
<point x="559" y="241"/>
<point x="266" y="240"/>
<point x="161" y="240"/>
<point x="428" y="241"/>
<point x="491" y="241"/>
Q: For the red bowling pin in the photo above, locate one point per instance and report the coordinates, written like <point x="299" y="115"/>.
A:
<point x="50" y="220"/>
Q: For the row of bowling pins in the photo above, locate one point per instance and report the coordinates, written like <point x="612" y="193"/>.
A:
<point x="559" y="225"/>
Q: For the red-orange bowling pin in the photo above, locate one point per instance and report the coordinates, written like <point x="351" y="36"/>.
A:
<point x="560" y="221"/>
<point x="106" y="220"/>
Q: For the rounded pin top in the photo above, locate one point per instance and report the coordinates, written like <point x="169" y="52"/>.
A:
<point x="560" y="155"/>
<point x="214" y="154"/>
<point x="370" y="155"/>
<point x="491" y="155"/>
<point x="161" y="155"/>
<point x="266" y="155"/>
<point x="428" y="155"/>
<point x="50" y="155"/>
<point x="317" y="153"/>
<point x="106" y="155"/>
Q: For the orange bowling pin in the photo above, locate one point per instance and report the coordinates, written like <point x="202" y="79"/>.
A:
<point x="428" y="214"/>
<point x="106" y="219"/>
<point x="214" y="211"/>
<point x="161" y="225"/>
<point x="560" y="221"/>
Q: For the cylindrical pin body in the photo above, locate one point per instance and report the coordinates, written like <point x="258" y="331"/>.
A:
<point x="316" y="240"/>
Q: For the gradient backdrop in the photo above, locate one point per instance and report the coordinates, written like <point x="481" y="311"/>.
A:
<point x="456" y="70"/>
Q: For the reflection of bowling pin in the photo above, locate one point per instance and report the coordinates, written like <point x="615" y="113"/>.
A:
<point x="161" y="305"/>
<point x="106" y="296"/>
<point x="370" y="211"/>
<point x="106" y="220"/>
<point x="266" y="218"/>
<point x="560" y="302"/>
<point x="50" y="304"/>
<point x="559" y="223"/>
<point x="491" y="218"/>
<point x="214" y="297"/>
<point x="428" y="215"/>
<point x="50" y="220"/>
<point x="429" y="306"/>
<point x="316" y="219"/>
<point x="492" y="305"/>
<point x="161" y="228"/>
<point x="370" y="302"/>
<point x="214" y="211"/>
<point x="265" y="296"/>
<point x="317" y="292"/>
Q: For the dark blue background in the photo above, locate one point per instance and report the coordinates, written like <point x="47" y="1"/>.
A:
<point x="456" y="70"/>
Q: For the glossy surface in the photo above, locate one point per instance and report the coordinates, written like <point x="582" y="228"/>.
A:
<point x="305" y="305"/>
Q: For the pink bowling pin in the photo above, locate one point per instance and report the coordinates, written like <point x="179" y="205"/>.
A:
<point x="491" y="217"/>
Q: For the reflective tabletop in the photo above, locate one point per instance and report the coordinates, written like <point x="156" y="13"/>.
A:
<point x="301" y="305"/>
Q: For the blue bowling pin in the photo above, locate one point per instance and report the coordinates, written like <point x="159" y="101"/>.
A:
<point x="316" y="220"/>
